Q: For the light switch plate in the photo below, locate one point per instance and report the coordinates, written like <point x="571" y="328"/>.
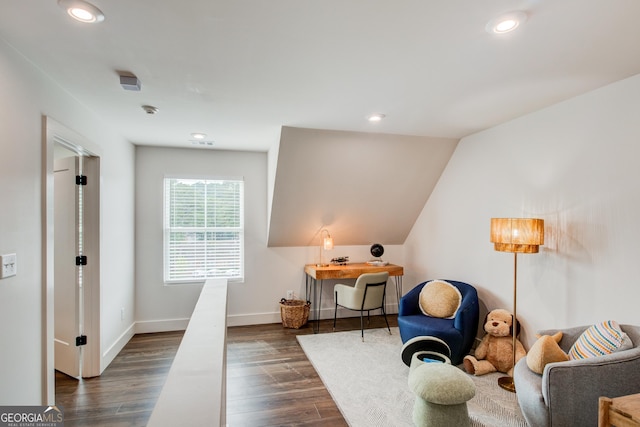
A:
<point x="8" y="265"/>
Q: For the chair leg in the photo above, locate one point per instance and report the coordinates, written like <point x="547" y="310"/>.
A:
<point x="361" y="327"/>
<point x="335" y="313"/>
<point x="385" y="320"/>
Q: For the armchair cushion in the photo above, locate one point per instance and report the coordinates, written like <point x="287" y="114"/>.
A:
<point x="440" y="299"/>
<point x="600" y="339"/>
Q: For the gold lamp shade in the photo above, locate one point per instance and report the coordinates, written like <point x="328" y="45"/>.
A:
<point x="520" y="235"/>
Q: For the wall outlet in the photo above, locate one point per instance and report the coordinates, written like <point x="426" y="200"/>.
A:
<point x="290" y="294"/>
<point x="8" y="265"/>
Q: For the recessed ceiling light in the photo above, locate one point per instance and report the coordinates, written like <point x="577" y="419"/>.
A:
<point x="506" y="23"/>
<point x="376" y="117"/>
<point x="82" y="11"/>
<point x="198" y="135"/>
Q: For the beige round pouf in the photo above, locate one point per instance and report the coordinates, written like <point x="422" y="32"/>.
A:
<point x="442" y="392"/>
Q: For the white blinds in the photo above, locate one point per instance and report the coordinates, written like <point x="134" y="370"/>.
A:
<point x="204" y="229"/>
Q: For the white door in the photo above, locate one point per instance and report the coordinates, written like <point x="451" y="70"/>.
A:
<point x="67" y="321"/>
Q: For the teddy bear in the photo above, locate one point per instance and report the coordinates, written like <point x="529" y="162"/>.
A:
<point x="495" y="351"/>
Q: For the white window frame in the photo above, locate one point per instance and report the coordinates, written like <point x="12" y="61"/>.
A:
<point x="201" y="273"/>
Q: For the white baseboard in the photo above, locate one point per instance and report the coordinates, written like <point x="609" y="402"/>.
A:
<point x="152" y="326"/>
<point x="253" y="319"/>
<point x="274" y="317"/>
<point x="116" y="347"/>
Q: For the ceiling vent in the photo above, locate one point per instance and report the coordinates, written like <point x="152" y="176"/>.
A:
<point x="202" y="143"/>
<point x="130" y="82"/>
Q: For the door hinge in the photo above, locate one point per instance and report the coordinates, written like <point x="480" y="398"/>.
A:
<point x="81" y="340"/>
<point x="81" y="180"/>
<point x="81" y="260"/>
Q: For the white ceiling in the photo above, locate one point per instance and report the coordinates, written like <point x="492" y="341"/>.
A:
<point x="303" y="75"/>
<point x="239" y="70"/>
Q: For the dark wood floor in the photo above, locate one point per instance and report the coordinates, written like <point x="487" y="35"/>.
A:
<point x="270" y="382"/>
<point x="126" y="392"/>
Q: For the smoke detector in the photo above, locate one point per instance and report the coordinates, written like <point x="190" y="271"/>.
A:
<point x="150" y="109"/>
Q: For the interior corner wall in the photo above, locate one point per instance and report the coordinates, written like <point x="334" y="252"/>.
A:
<point x="574" y="165"/>
<point x="27" y="95"/>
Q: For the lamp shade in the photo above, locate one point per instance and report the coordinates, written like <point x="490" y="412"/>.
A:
<point x="328" y="243"/>
<point x="523" y="235"/>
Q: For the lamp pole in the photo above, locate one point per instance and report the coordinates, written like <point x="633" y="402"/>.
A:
<point x="507" y="382"/>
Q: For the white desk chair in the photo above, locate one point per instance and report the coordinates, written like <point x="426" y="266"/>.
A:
<point x="368" y="294"/>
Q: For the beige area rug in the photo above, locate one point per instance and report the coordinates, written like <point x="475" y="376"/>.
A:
<point x="368" y="381"/>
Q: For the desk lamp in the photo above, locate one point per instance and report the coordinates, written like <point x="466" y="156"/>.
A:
<point x="326" y="243"/>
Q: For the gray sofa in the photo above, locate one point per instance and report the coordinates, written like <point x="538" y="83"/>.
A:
<point x="567" y="392"/>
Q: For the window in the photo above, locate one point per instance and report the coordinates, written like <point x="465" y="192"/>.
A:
<point x="203" y="229"/>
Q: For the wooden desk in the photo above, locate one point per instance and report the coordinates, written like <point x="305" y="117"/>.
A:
<point x="621" y="411"/>
<point x="315" y="273"/>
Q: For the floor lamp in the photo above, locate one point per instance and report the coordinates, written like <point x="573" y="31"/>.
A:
<point x="517" y="235"/>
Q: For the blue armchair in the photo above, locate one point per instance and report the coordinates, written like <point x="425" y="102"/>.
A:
<point x="459" y="332"/>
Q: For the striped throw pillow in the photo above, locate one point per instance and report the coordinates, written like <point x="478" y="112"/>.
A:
<point x="600" y="339"/>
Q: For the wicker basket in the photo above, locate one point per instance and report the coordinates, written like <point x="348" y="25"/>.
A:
<point x="294" y="312"/>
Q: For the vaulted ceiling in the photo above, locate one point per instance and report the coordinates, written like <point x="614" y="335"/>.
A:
<point x="240" y="71"/>
<point x="362" y="187"/>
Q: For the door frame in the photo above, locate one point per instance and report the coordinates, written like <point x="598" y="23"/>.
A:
<point x="55" y="132"/>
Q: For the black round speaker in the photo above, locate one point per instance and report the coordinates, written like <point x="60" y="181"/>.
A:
<point x="377" y="250"/>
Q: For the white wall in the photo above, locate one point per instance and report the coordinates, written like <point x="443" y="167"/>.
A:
<point x="576" y="166"/>
<point x="269" y="272"/>
<point x="27" y="94"/>
<point x="117" y="272"/>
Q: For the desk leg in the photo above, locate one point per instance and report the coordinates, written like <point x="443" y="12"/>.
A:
<point x="311" y="286"/>
<point x="398" y="290"/>
<point x="307" y="289"/>
<point x="318" y="308"/>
